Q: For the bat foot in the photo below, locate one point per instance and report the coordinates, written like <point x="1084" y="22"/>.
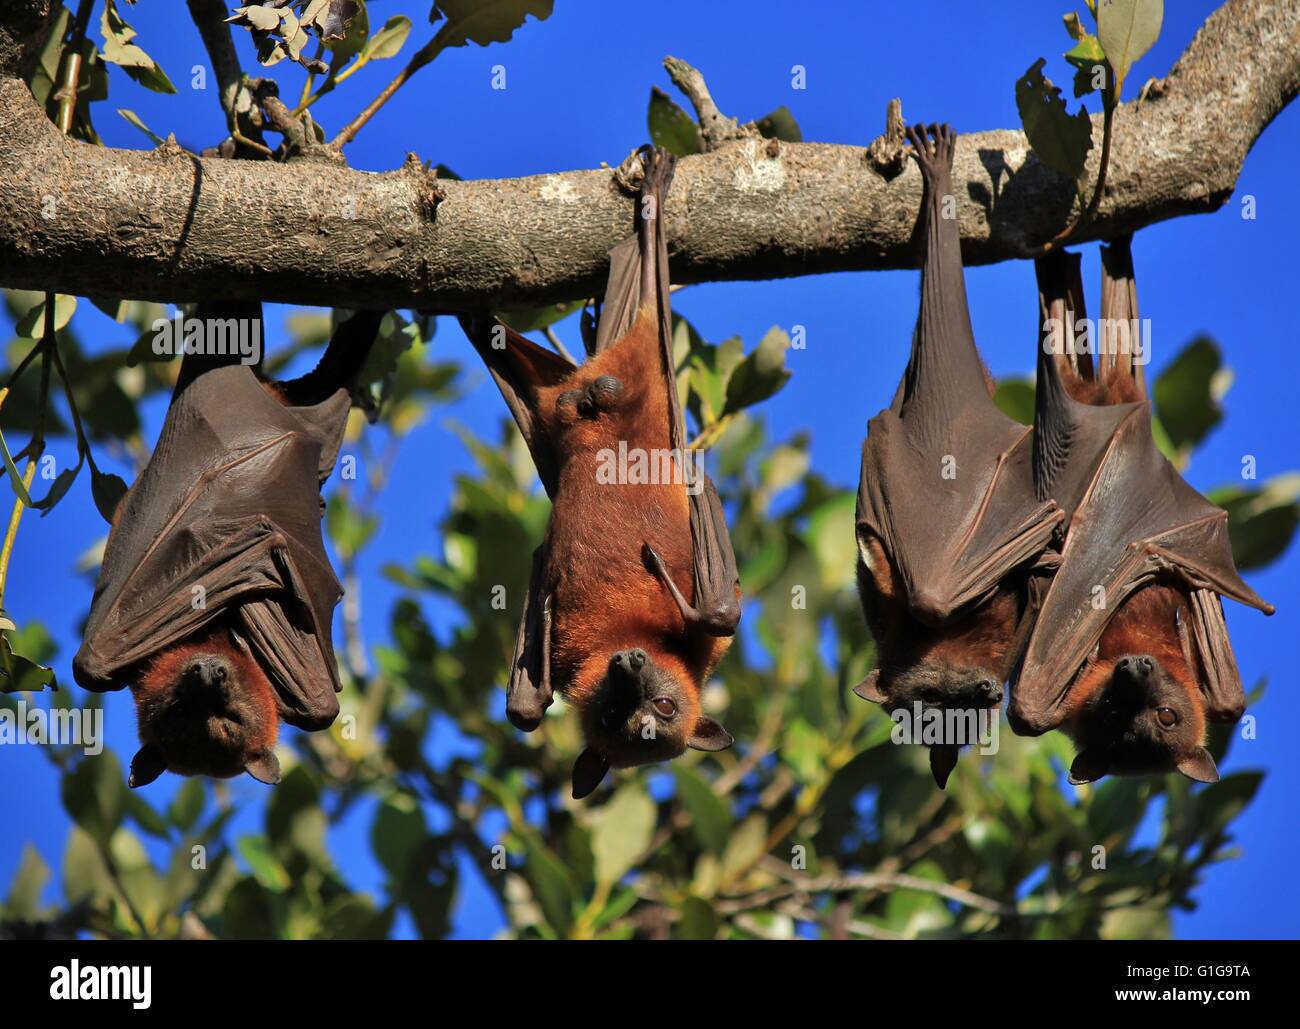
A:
<point x="933" y="148"/>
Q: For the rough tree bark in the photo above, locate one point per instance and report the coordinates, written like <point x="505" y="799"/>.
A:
<point x="165" y="225"/>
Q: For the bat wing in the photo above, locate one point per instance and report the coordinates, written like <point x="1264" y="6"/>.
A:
<point x="1225" y="700"/>
<point x="529" y="692"/>
<point x="519" y="366"/>
<point x="1138" y="520"/>
<point x="639" y="275"/>
<point x="946" y="480"/>
<point x="225" y="519"/>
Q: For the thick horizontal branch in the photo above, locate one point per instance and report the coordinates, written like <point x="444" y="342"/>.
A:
<point x="168" y="226"/>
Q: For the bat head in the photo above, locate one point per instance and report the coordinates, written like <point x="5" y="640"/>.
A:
<point x="206" y="708"/>
<point x="960" y="665"/>
<point x="1138" y="718"/>
<point x="645" y="709"/>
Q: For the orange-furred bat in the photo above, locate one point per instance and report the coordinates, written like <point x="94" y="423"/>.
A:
<point x="215" y="595"/>
<point x="949" y="530"/>
<point x="1130" y="653"/>
<point x="634" y="595"/>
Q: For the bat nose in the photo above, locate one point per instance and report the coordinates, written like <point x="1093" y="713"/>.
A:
<point x="988" y="693"/>
<point x="210" y="671"/>
<point x="1136" y="669"/>
<point x="628" y="661"/>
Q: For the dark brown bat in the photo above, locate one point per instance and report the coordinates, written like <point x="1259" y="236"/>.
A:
<point x="634" y="594"/>
<point x="1130" y="653"/>
<point x="215" y="595"/>
<point x="948" y="526"/>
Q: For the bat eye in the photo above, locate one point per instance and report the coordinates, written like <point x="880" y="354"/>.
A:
<point x="665" y="706"/>
<point x="1167" y="717"/>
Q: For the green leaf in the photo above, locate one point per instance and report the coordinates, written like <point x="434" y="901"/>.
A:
<point x="1060" y="140"/>
<point x="344" y="47"/>
<point x="94" y="794"/>
<point x="1127" y="29"/>
<point x="15" y="476"/>
<point x="747" y="844"/>
<point x="32" y="325"/>
<point x="621" y="832"/>
<point x="266" y="868"/>
<point x="108" y="491"/>
<point x="698" y="920"/>
<point x="398" y="832"/>
<point x="1015" y="399"/>
<point x="552" y="885"/>
<point x="670" y="127"/>
<point x="780" y="124"/>
<point x="135" y="120"/>
<point x="118" y="49"/>
<point x="1221" y="802"/>
<point x="187" y="805"/>
<point x="485" y="21"/>
<point x="1261" y="523"/>
<point x="29" y="881"/>
<point x="1188" y="392"/>
<point x="388" y="40"/>
<point x="143" y="814"/>
<point x="534" y="318"/>
<point x="710" y="815"/>
<point x="761" y="374"/>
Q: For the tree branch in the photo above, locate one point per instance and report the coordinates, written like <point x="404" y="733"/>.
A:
<point x="164" y="226"/>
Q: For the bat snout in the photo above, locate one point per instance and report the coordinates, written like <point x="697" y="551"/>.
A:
<point x="986" y="693"/>
<point x="1135" y="670"/>
<point x="210" y="671"/>
<point x="628" y="663"/>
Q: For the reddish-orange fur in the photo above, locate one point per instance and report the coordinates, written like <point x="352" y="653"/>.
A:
<point x="1146" y="623"/>
<point x="226" y="747"/>
<point x="605" y="598"/>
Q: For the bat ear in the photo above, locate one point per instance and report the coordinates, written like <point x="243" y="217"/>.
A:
<point x="146" y="766"/>
<point x="1089" y="766"/>
<point x="869" y="689"/>
<point x="588" y="771"/>
<point x="264" y="768"/>
<point x="709" y="735"/>
<point x="943" y="759"/>
<point x="1199" y="766"/>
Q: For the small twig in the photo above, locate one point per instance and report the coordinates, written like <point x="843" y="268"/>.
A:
<point x="715" y="127"/>
<point x="555" y="341"/>
<point x="418" y="60"/>
<point x="1086" y="215"/>
<point x="234" y="92"/>
<point x="866" y="881"/>
<point x="803" y="913"/>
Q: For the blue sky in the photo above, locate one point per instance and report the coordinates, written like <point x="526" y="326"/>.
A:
<point x="577" y="89"/>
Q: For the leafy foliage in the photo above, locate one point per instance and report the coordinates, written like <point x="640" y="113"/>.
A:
<point x="814" y="824"/>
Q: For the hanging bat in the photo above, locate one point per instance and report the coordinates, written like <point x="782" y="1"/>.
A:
<point x="948" y="527"/>
<point x="215" y="595"/>
<point x="1130" y="652"/>
<point x="634" y="595"/>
